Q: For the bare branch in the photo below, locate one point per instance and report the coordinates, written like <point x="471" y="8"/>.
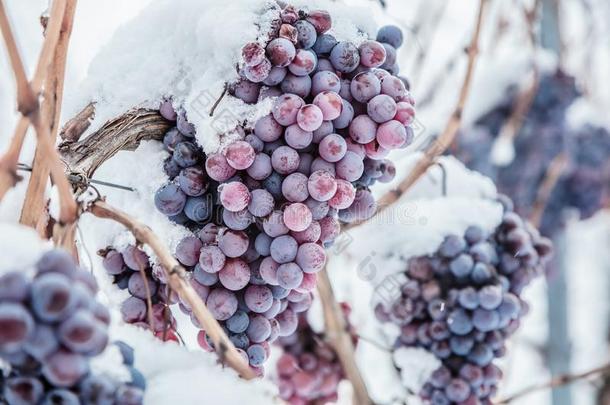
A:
<point x="26" y="99"/>
<point x="31" y="212"/>
<point x="122" y="133"/>
<point x="76" y="126"/>
<point x="451" y="129"/>
<point x="554" y="382"/>
<point x="339" y="338"/>
<point x="177" y="279"/>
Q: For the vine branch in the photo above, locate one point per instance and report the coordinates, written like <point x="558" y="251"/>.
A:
<point x="177" y="279"/>
<point x="555" y="382"/>
<point x="339" y="339"/>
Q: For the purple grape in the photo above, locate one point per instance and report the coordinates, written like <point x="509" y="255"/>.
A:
<point x="289" y="275"/>
<point x="325" y="81"/>
<point x="52" y="298"/>
<point x="350" y="167"/>
<point x="170" y="199"/>
<point x="82" y="333"/>
<point x="198" y="209"/>
<point x="381" y="108"/>
<point x="246" y="91"/>
<point x="284" y="249"/>
<point x="64" y="368"/>
<point x="345" y="57"/>
<point x="332" y="148"/>
<point x="345" y="117"/>
<point x="14" y="286"/>
<point x="294" y="187"/>
<point x="390" y="34"/>
<point x="363" y="129"/>
<point x="281" y="52"/>
<point x="185" y="154"/>
<point x="258" y="298"/>
<point x="233" y="243"/>
<point x="365" y="86"/>
<point x="187" y="250"/>
<point x="275" y="76"/>
<point x="304" y="63"/>
<point x="307" y="35"/>
<point x="221" y="303"/>
<point x="311" y="257"/>
<point x="137" y="286"/>
<point x="297" y="138"/>
<point x="324" y="44"/>
<point x="261" y="204"/>
<point x="258" y="73"/>
<point x="372" y="54"/>
<point x="23" y="390"/>
<point x="297" y="85"/>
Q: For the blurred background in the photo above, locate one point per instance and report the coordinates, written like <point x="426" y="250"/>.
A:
<point x="536" y="122"/>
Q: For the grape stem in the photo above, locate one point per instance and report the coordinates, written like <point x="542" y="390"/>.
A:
<point x="177" y="279"/>
<point x="34" y="202"/>
<point x="447" y="137"/>
<point x="557" y="381"/>
<point x="338" y="337"/>
<point x="28" y="107"/>
<point x="222" y="95"/>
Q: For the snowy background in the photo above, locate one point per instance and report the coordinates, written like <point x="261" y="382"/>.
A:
<point x="105" y="50"/>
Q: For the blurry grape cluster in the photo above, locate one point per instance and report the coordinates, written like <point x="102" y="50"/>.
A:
<point x="463" y="302"/>
<point x="51" y="326"/>
<point x="545" y="134"/>
<point x="126" y="269"/>
<point x="263" y="209"/>
<point x="309" y="370"/>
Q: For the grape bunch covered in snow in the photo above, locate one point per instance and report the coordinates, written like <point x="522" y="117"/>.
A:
<point x="126" y="269"/>
<point x="545" y="135"/>
<point x="264" y="207"/>
<point x="51" y="326"/>
<point x="309" y="370"/>
<point x="462" y="302"/>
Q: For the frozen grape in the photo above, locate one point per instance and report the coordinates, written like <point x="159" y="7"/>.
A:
<point x="222" y="303"/>
<point x="285" y="160"/>
<point x="281" y="52"/>
<point x="303" y="63"/>
<point x="234" y="196"/>
<point x="350" y="167"/>
<point x="345" y="57"/>
<point x="310" y="117"/>
<point x="344" y="196"/>
<point x="307" y="35"/>
<point x="365" y="86"/>
<point x="325" y="81"/>
<point x="390" y="34"/>
<point x="391" y="134"/>
<point x="344" y="119"/>
<point x="297" y="217"/>
<point x="187" y="250"/>
<point x="198" y="209"/>
<point x="381" y="108"/>
<point x="233" y="243"/>
<point x="246" y="91"/>
<point x="192" y="181"/>
<point x="363" y="129"/>
<point x="311" y="257"/>
<point x="297" y="138"/>
<point x="372" y="54"/>
<point x="218" y="168"/>
<point x="240" y="155"/>
<point x="258" y="298"/>
<point x="330" y="104"/>
<point x="170" y="199"/>
<point x="332" y="148"/>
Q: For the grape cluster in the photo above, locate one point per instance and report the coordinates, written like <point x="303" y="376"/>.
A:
<point x="544" y="135"/>
<point x="462" y="303"/>
<point x="263" y="209"/>
<point x="51" y="325"/>
<point x="125" y="267"/>
<point x="309" y="370"/>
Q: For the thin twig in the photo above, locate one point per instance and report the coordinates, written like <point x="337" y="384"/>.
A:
<point x="41" y="126"/>
<point x="177" y="279"/>
<point x="551" y="177"/>
<point x="555" y="382"/>
<point x="26" y="99"/>
<point x="76" y="126"/>
<point x="34" y="203"/>
<point x="339" y="338"/>
<point x="451" y="129"/>
<point x="219" y="99"/>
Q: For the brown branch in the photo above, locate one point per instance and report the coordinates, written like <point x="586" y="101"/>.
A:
<point x="26" y="99"/>
<point x="448" y="135"/>
<point x="554" y="382"/>
<point x="68" y="205"/>
<point x="34" y="203"/>
<point x="177" y="279"/>
<point x="339" y="338"/>
<point x="551" y="177"/>
<point x="76" y="126"/>
<point x="122" y="133"/>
